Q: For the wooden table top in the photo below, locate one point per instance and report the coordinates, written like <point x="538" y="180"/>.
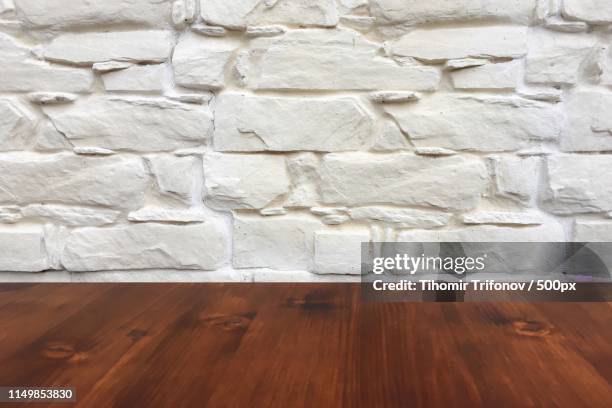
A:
<point x="299" y="345"/>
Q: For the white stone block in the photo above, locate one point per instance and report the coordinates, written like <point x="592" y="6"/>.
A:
<point x="85" y="13"/>
<point x="403" y="179"/>
<point x="89" y="48"/>
<point x="202" y="62"/>
<point x="272" y="242"/>
<point x="140" y="124"/>
<point x="579" y="184"/>
<point x="441" y="44"/>
<point x="556" y="58"/>
<point x="23" y="250"/>
<point x="238" y="14"/>
<point x="589" y="126"/>
<point x="145" y="246"/>
<point x="331" y="60"/>
<point x="339" y="253"/>
<point x="113" y="181"/>
<point x="236" y="181"/>
<point x="444" y="11"/>
<point x="592" y="11"/>
<point x="479" y="123"/>
<point x="252" y="123"/>
<point x="16" y="125"/>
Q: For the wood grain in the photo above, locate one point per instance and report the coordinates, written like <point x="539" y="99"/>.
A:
<point x="299" y="345"/>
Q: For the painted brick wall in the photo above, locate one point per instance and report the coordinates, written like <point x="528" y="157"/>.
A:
<point x="265" y="139"/>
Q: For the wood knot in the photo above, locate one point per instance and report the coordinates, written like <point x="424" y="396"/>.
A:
<point x="532" y="328"/>
<point x="79" y="357"/>
<point x="137" y="334"/>
<point x="58" y="351"/>
<point x="228" y="322"/>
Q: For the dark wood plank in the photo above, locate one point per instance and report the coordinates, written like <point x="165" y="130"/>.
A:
<point x="586" y="329"/>
<point x="181" y="365"/>
<point x="479" y="354"/>
<point x="299" y="345"/>
<point x="27" y="311"/>
<point x="82" y="348"/>
<point x="294" y="353"/>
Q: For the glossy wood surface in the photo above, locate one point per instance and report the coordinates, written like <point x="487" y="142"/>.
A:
<point x="299" y="345"/>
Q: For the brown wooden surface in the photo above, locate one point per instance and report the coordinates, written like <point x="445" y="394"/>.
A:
<point x="299" y="345"/>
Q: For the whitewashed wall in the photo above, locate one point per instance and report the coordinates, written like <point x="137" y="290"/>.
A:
<point x="264" y="139"/>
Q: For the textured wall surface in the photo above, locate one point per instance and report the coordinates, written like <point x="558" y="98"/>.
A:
<point x="265" y="139"/>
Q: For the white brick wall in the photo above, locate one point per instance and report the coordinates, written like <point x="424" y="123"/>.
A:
<point x="264" y="139"/>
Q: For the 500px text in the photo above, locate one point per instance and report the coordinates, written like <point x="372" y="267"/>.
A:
<point x="476" y="285"/>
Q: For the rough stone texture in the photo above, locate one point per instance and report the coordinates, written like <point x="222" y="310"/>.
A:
<point x="184" y="12"/>
<point x="238" y="14"/>
<point x="556" y="58"/>
<point x="339" y="252"/>
<point x="390" y="138"/>
<point x="145" y="246"/>
<point x="330" y="60"/>
<point x="592" y="11"/>
<point x="486" y="233"/>
<point x="16" y="125"/>
<point x="48" y="139"/>
<point x="516" y="177"/>
<point x="273" y="242"/>
<point x="233" y="181"/>
<point x="71" y="216"/>
<point x="110" y="66"/>
<point x="579" y="184"/>
<point x="557" y="24"/>
<point x="265" y="139"/>
<point x="23" y="250"/>
<point x="503" y="218"/>
<point x="394" y="97"/>
<point x="402" y="217"/>
<point x="437" y="11"/>
<point x="402" y="179"/>
<point x="593" y="231"/>
<point x="21" y="72"/>
<point x="7" y="6"/>
<point x="92" y="151"/>
<point x="132" y="124"/>
<point x="85" y="13"/>
<point x="10" y="214"/>
<point x="175" y="177"/>
<point x="589" y="123"/>
<point x="302" y="168"/>
<point x="265" y="31"/>
<point x="248" y="123"/>
<point x="77" y="180"/>
<point x="51" y="98"/>
<point x="202" y="62"/>
<point x="486" y="123"/>
<point x="465" y="63"/>
<point x="606" y="75"/>
<point x="89" y="48"/>
<point x="452" y="43"/>
<point x="490" y="76"/>
<point x="434" y="151"/>
<point x="139" y="78"/>
<point x="152" y="214"/>
<point x="27" y="76"/>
